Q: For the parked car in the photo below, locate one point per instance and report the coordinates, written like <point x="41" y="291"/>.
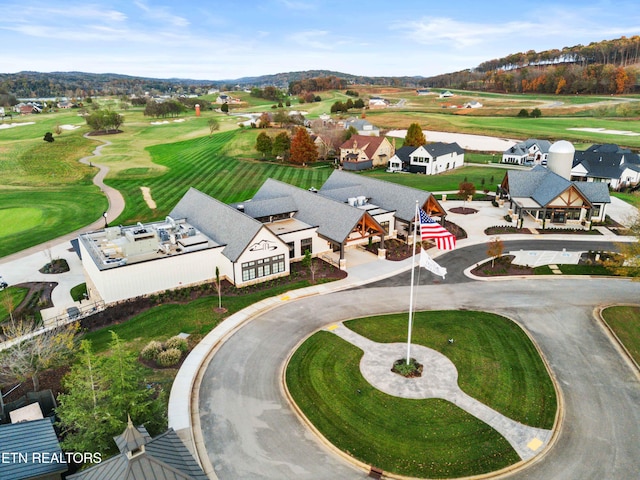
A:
<point x="3" y="284"/>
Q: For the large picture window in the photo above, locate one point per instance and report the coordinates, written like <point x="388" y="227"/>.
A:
<point x="306" y="244"/>
<point x="262" y="268"/>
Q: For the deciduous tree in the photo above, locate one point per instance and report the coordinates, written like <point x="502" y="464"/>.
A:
<point x="495" y="249"/>
<point x="264" y="144"/>
<point x="281" y="145"/>
<point x="465" y="190"/>
<point x="415" y="137"/>
<point x="34" y="350"/>
<point x="303" y="150"/>
<point x="214" y="125"/>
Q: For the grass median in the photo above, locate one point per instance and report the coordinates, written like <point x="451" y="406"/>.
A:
<point x="497" y="364"/>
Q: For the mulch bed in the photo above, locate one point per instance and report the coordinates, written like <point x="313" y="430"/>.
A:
<point x="463" y="210"/>
<point x="59" y="265"/>
<point x="501" y="267"/>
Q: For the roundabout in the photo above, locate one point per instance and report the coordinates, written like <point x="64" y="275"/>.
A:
<point x="249" y="429"/>
<point x="394" y="423"/>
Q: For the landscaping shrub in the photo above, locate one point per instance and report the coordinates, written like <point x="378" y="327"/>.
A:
<point x="178" y="343"/>
<point x="508" y="218"/>
<point x="169" y="357"/>
<point x="151" y="350"/>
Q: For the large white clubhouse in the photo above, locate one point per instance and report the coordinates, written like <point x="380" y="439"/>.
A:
<point x="251" y="241"/>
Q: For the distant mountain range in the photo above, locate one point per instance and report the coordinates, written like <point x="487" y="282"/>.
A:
<point x="570" y="70"/>
<point x="81" y="84"/>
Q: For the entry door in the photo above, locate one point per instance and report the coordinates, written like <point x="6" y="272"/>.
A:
<point x="559" y="216"/>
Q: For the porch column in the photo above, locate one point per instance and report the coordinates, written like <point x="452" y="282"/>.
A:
<point x="343" y="261"/>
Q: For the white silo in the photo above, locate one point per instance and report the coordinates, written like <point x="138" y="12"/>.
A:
<point x="560" y="159"/>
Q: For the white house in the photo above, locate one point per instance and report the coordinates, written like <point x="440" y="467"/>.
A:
<point x="608" y="163"/>
<point x="378" y="102"/>
<point x="529" y="152"/>
<point x="473" y="104"/>
<point x="430" y="159"/>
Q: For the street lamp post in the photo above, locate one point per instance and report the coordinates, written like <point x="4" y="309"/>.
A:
<point x="105" y="219"/>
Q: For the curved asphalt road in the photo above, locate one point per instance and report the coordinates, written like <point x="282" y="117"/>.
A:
<point x="251" y="432"/>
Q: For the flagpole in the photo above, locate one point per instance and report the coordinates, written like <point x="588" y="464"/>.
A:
<point x="413" y="270"/>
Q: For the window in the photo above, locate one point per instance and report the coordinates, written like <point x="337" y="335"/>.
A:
<point x="573" y="214"/>
<point x="292" y="249"/>
<point x="263" y="268"/>
<point x="595" y="211"/>
<point x="306" y="244"/>
<point x="385" y="226"/>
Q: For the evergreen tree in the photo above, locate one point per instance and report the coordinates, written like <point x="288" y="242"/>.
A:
<point x="100" y="393"/>
<point x="415" y="137"/>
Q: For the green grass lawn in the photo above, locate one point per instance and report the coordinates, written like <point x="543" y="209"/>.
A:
<point x="424" y="438"/>
<point x="10" y="298"/>
<point x="78" y="292"/>
<point x="625" y="322"/>
<point x="631" y="198"/>
<point x="446" y="181"/>
<point x="52" y="212"/>
<point x="169" y="319"/>
<point x="567" y="269"/>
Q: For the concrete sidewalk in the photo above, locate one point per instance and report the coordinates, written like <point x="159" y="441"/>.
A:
<point x="439" y="380"/>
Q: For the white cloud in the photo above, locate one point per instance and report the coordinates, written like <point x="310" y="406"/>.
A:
<point x="297" y="5"/>
<point x="312" y="39"/>
<point x="161" y="14"/>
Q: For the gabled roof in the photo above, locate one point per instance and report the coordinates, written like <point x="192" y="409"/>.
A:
<point x="437" y="149"/>
<point x="522" y="148"/>
<point x="365" y="143"/>
<point x="29" y="438"/>
<point x="359" y="125"/>
<point x="164" y="457"/>
<point x="607" y="148"/>
<point x="605" y="161"/>
<point x="403" y="153"/>
<point x="335" y="220"/>
<point x="543" y="186"/>
<point x="220" y="222"/>
<point x="393" y="197"/>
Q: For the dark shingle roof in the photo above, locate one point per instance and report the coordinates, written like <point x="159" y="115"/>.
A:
<point x="28" y="438"/>
<point x="393" y="197"/>
<point x="403" y="153"/>
<point x="605" y="161"/>
<point x="437" y="149"/>
<point x="543" y="185"/>
<point x="522" y="148"/>
<point x="335" y="220"/>
<point x="220" y="222"/>
<point x="164" y="458"/>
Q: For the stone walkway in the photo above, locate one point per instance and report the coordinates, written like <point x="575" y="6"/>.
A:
<point x="439" y="380"/>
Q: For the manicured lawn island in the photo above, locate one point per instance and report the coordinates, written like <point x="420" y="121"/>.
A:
<point x="624" y="321"/>
<point x="497" y="364"/>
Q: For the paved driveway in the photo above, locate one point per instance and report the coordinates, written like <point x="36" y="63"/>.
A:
<point x="251" y="432"/>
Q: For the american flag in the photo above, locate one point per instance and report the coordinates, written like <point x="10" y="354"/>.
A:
<point x="429" y="228"/>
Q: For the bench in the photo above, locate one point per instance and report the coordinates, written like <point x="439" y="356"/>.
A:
<point x="376" y="473"/>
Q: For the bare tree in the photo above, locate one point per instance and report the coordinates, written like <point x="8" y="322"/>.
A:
<point x="32" y="350"/>
<point x="213" y="125"/>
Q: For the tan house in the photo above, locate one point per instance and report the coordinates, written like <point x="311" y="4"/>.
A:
<point x="362" y="152"/>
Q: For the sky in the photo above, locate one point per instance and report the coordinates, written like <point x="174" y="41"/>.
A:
<point x="213" y="40"/>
